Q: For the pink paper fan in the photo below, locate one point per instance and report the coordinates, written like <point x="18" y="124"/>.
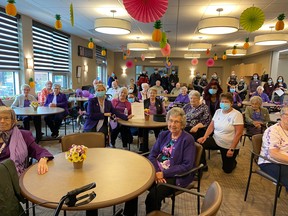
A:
<point x="194" y="61"/>
<point x="146" y="11"/>
<point x="129" y="64"/>
<point x="210" y="62"/>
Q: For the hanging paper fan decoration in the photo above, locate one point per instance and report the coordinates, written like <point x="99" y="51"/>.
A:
<point x="143" y="57"/>
<point x="146" y="11"/>
<point x="168" y="64"/>
<point x="210" y="62"/>
<point x="71" y="15"/>
<point x="194" y="61"/>
<point x="129" y="64"/>
<point x="166" y="51"/>
<point x="252" y="19"/>
<point x="128" y="52"/>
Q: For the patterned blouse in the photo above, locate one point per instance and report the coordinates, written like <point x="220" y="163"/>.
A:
<point x="197" y="115"/>
<point x="163" y="159"/>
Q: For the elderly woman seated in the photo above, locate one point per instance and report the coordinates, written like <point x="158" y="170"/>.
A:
<point x="173" y="153"/>
<point x="56" y="99"/>
<point x="142" y="95"/>
<point x="256" y="116"/>
<point x="197" y="114"/>
<point x="274" y="147"/>
<point x="19" y="145"/>
<point x="260" y="92"/>
<point x="181" y="99"/>
<point x="24" y="100"/>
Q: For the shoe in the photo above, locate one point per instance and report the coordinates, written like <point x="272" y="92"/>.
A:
<point x="56" y="135"/>
<point x="53" y="134"/>
<point x="111" y="146"/>
<point x="205" y="168"/>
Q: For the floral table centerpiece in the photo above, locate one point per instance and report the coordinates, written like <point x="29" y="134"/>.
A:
<point x="77" y="154"/>
<point x="146" y="114"/>
<point x="34" y="105"/>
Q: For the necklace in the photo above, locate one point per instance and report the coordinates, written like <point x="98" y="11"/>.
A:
<point x="2" y="147"/>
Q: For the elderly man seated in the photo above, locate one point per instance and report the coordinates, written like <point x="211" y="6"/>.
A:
<point x="158" y="87"/>
<point x="44" y="93"/>
<point x="92" y="88"/>
<point x="274" y="147"/>
<point x="114" y="91"/>
<point x="176" y="89"/>
<point x="56" y="99"/>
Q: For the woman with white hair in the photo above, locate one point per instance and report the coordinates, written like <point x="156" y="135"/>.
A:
<point x="182" y="98"/>
<point x="260" y="92"/>
<point x="24" y="100"/>
<point x="122" y="106"/>
<point x="56" y="99"/>
<point x="142" y="95"/>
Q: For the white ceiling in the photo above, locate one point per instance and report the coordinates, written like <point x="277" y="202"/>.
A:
<point x="180" y="21"/>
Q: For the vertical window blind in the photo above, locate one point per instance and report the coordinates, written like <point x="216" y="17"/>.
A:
<point x="98" y="54"/>
<point x="9" y="42"/>
<point x="51" y="49"/>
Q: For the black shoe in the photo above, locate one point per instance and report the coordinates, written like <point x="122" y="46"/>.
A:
<point x="56" y="135"/>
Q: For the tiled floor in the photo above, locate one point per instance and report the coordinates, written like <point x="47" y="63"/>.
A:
<point x="259" y="202"/>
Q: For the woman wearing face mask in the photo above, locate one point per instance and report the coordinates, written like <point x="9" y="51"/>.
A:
<point x="215" y="77"/>
<point x="227" y="125"/>
<point x="241" y="88"/>
<point x="237" y="102"/>
<point x="121" y="105"/>
<point x="254" y="83"/>
<point x="211" y="96"/>
<point x="281" y="85"/>
<point x="98" y="111"/>
<point x="231" y="81"/>
<point x="203" y="83"/>
<point x="269" y="87"/>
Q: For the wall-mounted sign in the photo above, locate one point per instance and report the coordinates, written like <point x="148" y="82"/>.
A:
<point x="85" y="52"/>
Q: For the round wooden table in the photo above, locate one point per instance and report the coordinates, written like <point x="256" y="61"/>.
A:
<point x="119" y="175"/>
<point x="264" y="104"/>
<point x="274" y="116"/>
<point x="142" y="123"/>
<point x="29" y="111"/>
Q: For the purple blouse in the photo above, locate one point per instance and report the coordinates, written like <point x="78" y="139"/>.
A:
<point x="26" y="103"/>
<point x="197" y="115"/>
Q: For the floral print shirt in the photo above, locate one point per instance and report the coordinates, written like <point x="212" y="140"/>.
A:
<point x="163" y="159"/>
<point x="197" y="115"/>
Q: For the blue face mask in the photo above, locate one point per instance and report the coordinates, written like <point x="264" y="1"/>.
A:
<point x="212" y="91"/>
<point x="100" y="93"/>
<point x="269" y="82"/>
<point x="225" y="106"/>
<point x="173" y="72"/>
<point x="131" y="100"/>
<point x="279" y="80"/>
<point x="232" y="90"/>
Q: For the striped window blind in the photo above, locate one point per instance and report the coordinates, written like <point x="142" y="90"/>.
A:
<point x="9" y="42"/>
<point x="51" y="49"/>
<point x="98" y="54"/>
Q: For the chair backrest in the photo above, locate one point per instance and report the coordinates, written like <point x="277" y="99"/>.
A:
<point x="212" y="201"/>
<point x="90" y="140"/>
<point x="199" y="150"/>
<point x="256" y="145"/>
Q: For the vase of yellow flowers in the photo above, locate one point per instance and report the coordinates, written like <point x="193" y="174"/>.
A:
<point x="34" y="105"/>
<point x="77" y="154"/>
<point x="146" y="114"/>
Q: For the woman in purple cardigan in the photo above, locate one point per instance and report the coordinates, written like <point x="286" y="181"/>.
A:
<point x="56" y="99"/>
<point x="98" y="111"/>
<point x="18" y="145"/>
<point x="173" y="153"/>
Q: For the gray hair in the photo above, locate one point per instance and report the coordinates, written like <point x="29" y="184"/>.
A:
<point x="144" y="84"/>
<point x="55" y="85"/>
<point x="260" y="87"/>
<point x="194" y="93"/>
<point x="152" y="89"/>
<point x="123" y="89"/>
<point x="184" y="88"/>
<point x="25" y="86"/>
<point x="256" y="99"/>
<point x="284" y="110"/>
<point x="99" y="85"/>
<point x="176" y="111"/>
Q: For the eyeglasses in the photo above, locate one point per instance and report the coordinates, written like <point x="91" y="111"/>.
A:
<point x="5" y="118"/>
<point x="175" y="122"/>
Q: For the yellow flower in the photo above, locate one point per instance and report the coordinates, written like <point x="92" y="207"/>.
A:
<point x="76" y="153"/>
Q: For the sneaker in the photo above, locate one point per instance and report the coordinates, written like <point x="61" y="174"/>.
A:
<point x="111" y="146"/>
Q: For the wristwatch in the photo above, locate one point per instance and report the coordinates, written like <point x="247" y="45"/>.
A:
<point x="231" y="149"/>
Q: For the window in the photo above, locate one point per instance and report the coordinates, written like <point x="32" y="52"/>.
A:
<point x="101" y="65"/>
<point x="9" y="55"/>
<point x="52" y="56"/>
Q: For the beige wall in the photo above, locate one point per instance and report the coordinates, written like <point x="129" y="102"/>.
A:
<point x="283" y="69"/>
<point x="265" y="59"/>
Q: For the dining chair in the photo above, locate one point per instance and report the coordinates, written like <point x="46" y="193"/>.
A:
<point x="211" y="203"/>
<point x="196" y="183"/>
<point x="89" y="139"/>
<point x="254" y="168"/>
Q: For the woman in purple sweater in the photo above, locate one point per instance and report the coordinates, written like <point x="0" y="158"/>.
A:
<point x="173" y="153"/>
<point x="18" y="145"/>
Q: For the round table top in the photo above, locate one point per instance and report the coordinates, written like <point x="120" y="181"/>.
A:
<point x="78" y="99"/>
<point x="264" y="104"/>
<point x="168" y="95"/>
<point x="274" y="116"/>
<point x="29" y="111"/>
<point x="120" y="175"/>
<point x="142" y="123"/>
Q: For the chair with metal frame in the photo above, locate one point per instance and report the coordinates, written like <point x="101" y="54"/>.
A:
<point x="211" y="204"/>
<point x="255" y="154"/>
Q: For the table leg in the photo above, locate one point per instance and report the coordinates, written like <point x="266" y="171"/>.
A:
<point x="92" y="212"/>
